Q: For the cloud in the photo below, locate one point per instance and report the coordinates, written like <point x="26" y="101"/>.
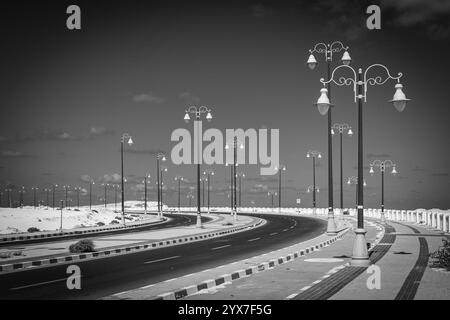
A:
<point x="148" y="98"/>
<point x="432" y="16"/>
<point x="86" y="178"/>
<point x="99" y="131"/>
<point x="110" y="178"/>
<point x="15" y="154"/>
<point x="189" y="98"/>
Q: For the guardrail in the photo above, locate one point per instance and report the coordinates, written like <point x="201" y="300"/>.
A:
<point x="433" y="218"/>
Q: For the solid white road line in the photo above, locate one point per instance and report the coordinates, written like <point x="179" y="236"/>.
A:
<point x="164" y="259"/>
<point x="39" y="284"/>
<point x="216" y="248"/>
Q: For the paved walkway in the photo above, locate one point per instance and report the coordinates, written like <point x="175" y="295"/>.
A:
<point x="58" y="248"/>
<point x="401" y="253"/>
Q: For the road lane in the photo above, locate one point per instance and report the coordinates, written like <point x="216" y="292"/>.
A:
<point x="116" y="274"/>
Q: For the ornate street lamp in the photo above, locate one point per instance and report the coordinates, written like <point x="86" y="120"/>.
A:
<point x="341" y="128"/>
<point x="354" y="181"/>
<point x="159" y="157"/>
<point x="163" y="169"/>
<point x="383" y="165"/>
<point x="240" y="175"/>
<point x="360" y="82"/>
<point x="146" y="177"/>
<point x="236" y="143"/>
<point x="271" y="194"/>
<point x="125" y="137"/>
<point x="34" y="196"/>
<point x="198" y="111"/>
<point x="328" y="50"/>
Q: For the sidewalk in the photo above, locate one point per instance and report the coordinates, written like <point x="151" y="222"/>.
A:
<point x="151" y="239"/>
<point x="325" y="274"/>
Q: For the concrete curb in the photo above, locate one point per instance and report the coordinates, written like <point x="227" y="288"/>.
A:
<point x="21" y="266"/>
<point x="55" y="235"/>
<point x="242" y="273"/>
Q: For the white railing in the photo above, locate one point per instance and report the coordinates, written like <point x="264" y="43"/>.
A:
<point x="433" y="218"/>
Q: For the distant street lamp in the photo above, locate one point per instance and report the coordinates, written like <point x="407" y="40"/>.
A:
<point x="383" y="165"/>
<point x="66" y="189"/>
<point x="9" y="198"/>
<point x="280" y="169"/>
<point x="360" y="82"/>
<point x="21" y="192"/>
<point x="190" y="197"/>
<point x="240" y="175"/>
<point x="203" y="180"/>
<point x="271" y="194"/>
<point x="179" y="179"/>
<point x="54" y="186"/>
<point x="231" y="189"/>
<point x="116" y="187"/>
<point x="146" y="177"/>
<point x="208" y="174"/>
<point x="61" y="220"/>
<point x="159" y="157"/>
<point x="314" y="189"/>
<point x="314" y="154"/>
<point x="327" y="50"/>
<point x="47" y="191"/>
<point x="34" y="196"/>
<point x="105" y="186"/>
<point x="354" y="181"/>
<point x="129" y="139"/>
<point x="77" y="189"/>
<point x="198" y="111"/>
<point x="341" y="128"/>
<point x="90" y="193"/>
<point x="163" y="169"/>
<point x="234" y="174"/>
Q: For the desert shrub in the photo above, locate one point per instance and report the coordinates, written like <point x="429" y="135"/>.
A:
<point x="100" y="224"/>
<point x="5" y="255"/>
<point x="94" y="211"/>
<point x="227" y="224"/>
<point x="85" y="245"/>
<point x="17" y="253"/>
<point x="33" y="229"/>
<point x="114" y="222"/>
<point x="441" y="257"/>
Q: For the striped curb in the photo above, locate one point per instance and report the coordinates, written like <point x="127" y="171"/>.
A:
<point x="54" y="235"/>
<point x="126" y="250"/>
<point x="243" y="273"/>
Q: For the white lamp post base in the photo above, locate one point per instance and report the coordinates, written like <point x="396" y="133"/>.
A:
<point x="360" y="257"/>
<point x="383" y="218"/>
<point x="331" y="227"/>
<point x="199" y="221"/>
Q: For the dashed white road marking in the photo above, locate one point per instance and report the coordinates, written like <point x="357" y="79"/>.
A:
<point x="221" y="247"/>
<point x="163" y="259"/>
<point x="253" y="239"/>
<point x="39" y="284"/>
<point x="274" y="233"/>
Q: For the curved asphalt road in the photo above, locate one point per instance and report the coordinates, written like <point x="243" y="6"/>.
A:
<point x="104" y="277"/>
<point x="177" y="220"/>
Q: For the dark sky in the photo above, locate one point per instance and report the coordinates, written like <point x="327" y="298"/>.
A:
<point x="67" y="96"/>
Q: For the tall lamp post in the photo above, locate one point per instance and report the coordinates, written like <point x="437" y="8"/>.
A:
<point x="66" y="190"/>
<point x="128" y="138"/>
<point x="179" y="179"/>
<point x="360" y="82"/>
<point x="208" y="174"/>
<point x="280" y="169"/>
<point x="328" y="50"/>
<point x="341" y="128"/>
<point x="383" y="165"/>
<point x="159" y="157"/>
<point x="354" y="181"/>
<point x="105" y="185"/>
<point x="314" y="154"/>
<point x="198" y="111"/>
